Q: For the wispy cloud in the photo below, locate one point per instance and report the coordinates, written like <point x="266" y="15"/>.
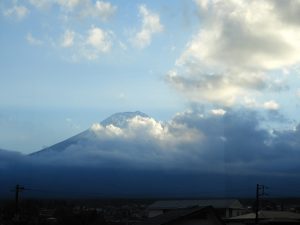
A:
<point x="69" y="4"/>
<point x="101" y="9"/>
<point x="104" y="10"/>
<point x="32" y="40"/>
<point x="68" y="39"/>
<point x="89" y="45"/>
<point x="151" y="25"/>
<point x="18" y="12"/>
<point x="41" y="4"/>
<point x="271" y="105"/>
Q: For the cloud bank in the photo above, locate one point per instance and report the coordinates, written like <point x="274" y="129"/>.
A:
<point x="196" y="148"/>
<point x="191" y="141"/>
<point x="238" y="46"/>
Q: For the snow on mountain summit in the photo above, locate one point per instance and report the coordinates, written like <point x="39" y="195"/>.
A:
<point x="121" y="119"/>
<point x="127" y="124"/>
<point x="113" y="125"/>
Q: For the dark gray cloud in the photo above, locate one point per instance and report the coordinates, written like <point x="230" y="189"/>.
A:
<point x="8" y="158"/>
<point x="191" y="141"/>
<point x="216" y="148"/>
<point x="288" y="11"/>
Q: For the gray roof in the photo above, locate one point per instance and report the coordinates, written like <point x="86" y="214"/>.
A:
<point x="274" y="215"/>
<point x="181" y="204"/>
<point x="177" y="215"/>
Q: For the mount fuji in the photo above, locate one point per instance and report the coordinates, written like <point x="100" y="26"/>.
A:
<point x="119" y="120"/>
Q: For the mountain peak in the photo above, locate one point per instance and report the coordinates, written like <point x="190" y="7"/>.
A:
<point x="121" y="119"/>
<point x="118" y="119"/>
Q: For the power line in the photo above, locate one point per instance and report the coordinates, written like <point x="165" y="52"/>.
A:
<point x="214" y="191"/>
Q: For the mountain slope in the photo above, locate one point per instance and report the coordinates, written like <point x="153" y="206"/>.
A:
<point x="118" y="120"/>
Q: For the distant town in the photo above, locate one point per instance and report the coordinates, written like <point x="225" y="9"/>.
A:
<point x="114" y="211"/>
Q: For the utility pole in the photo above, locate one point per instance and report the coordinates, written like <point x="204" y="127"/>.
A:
<point x="256" y="203"/>
<point x="260" y="192"/>
<point x="18" y="189"/>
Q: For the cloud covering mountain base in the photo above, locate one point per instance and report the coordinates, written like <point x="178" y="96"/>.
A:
<point x="87" y="182"/>
<point x="194" y="154"/>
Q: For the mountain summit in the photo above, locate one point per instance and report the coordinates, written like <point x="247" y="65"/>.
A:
<point x="121" y="119"/>
<point x="118" y="120"/>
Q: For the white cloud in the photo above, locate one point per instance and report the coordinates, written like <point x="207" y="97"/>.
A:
<point x="99" y="39"/>
<point x="104" y="10"/>
<point x="69" y="4"/>
<point x="218" y="112"/>
<point x="64" y="4"/>
<point x="122" y="45"/>
<point x="271" y="105"/>
<point x="41" y="4"/>
<point x="150" y="26"/>
<point x="146" y="127"/>
<point x="250" y="102"/>
<point x="121" y="96"/>
<point x="224" y="89"/>
<point x="88" y="46"/>
<point x="72" y="124"/>
<point x="203" y="4"/>
<point x="147" y="131"/>
<point x="18" y="12"/>
<point x="68" y="39"/>
<point x="246" y="34"/>
<point x="109" y="131"/>
<point x="237" y="45"/>
<point x="286" y="71"/>
<point x="32" y="40"/>
<point x="298" y="93"/>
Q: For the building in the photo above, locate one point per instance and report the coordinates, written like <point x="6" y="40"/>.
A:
<point x="266" y="217"/>
<point x="225" y="208"/>
<point x="188" y="216"/>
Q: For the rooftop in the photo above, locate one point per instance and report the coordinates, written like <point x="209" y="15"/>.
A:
<point x="274" y="215"/>
<point x="182" y="204"/>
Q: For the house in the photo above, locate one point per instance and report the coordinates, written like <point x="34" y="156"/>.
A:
<point x="225" y="208"/>
<point x="187" y="216"/>
<point x="266" y="217"/>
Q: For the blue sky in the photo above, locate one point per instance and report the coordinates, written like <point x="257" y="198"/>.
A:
<point x="66" y="64"/>
<point x="45" y="86"/>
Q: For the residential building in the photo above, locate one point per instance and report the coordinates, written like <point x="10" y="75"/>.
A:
<point x="225" y="208"/>
<point x="187" y="216"/>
